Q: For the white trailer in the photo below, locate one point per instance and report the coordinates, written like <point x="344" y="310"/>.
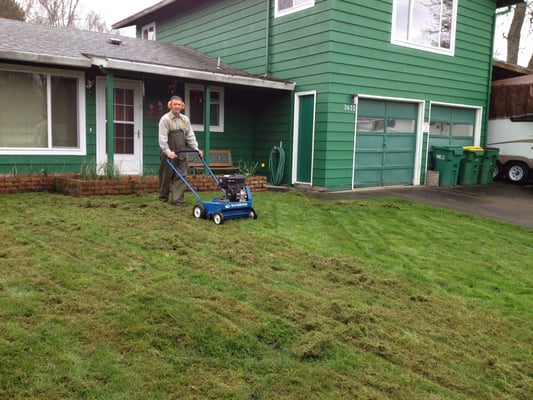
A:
<point x="510" y="127"/>
<point x="514" y="138"/>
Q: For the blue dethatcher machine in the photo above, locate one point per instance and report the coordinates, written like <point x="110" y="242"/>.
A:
<point x="236" y="201"/>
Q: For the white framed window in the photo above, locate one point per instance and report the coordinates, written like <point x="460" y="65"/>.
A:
<point x="285" y="7"/>
<point x="194" y="103"/>
<point x="148" y="31"/>
<point x="42" y="111"/>
<point x="425" y="24"/>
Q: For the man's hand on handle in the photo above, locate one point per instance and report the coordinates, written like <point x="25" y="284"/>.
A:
<point x="172" y="155"/>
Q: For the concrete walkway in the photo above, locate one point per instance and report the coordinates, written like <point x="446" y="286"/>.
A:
<point x="498" y="200"/>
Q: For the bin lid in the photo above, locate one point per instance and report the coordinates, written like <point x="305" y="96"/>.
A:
<point x="456" y="150"/>
<point x="475" y="149"/>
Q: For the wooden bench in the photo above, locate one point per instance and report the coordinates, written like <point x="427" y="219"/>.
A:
<point x="219" y="160"/>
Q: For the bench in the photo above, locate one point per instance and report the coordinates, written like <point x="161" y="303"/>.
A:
<point x="219" y="160"/>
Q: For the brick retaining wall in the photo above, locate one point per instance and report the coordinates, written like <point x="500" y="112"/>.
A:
<point x="69" y="184"/>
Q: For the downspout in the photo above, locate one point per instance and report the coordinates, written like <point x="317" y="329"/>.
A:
<point x="267" y="40"/>
<point x="110" y="112"/>
<point x="485" y="118"/>
<point x="207" y="124"/>
<point x="110" y="117"/>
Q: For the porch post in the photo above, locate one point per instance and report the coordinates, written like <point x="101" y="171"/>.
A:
<point x="110" y="117"/>
<point x="207" y="123"/>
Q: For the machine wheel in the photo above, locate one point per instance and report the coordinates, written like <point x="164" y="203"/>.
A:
<point x="218" y="218"/>
<point x="498" y="172"/>
<point x="198" y="211"/>
<point x="517" y="172"/>
<point x="252" y="214"/>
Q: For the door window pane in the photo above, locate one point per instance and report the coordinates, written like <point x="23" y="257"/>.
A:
<point x="124" y="121"/>
<point x="124" y="137"/>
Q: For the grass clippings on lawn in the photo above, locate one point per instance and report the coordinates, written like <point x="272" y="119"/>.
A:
<point x="129" y="298"/>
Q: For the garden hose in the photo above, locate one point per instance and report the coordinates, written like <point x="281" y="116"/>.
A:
<point x="276" y="165"/>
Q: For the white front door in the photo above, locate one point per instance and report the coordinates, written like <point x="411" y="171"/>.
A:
<point x="128" y="127"/>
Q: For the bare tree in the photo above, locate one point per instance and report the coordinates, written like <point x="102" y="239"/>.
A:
<point x="64" y="13"/>
<point x="52" y="12"/>
<point x="94" y="22"/>
<point x="522" y="11"/>
<point x="10" y="9"/>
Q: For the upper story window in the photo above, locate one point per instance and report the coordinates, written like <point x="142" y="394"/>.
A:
<point x="41" y="111"/>
<point x="284" y="7"/>
<point x="148" y="31"/>
<point x="425" y="24"/>
<point x="194" y="100"/>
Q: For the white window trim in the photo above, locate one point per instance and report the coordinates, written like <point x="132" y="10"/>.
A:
<point x="148" y="26"/>
<point x="82" y="149"/>
<point x="447" y="52"/>
<point x="309" y="4"/>
<point x="220" y="91"/>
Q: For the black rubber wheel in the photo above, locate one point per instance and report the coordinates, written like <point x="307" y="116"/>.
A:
<point x="198" y="211"/>
<point x="499" y="171"/>
<point x="252" y="214"/>
<point x="517" y="172"/>
<point x="218" y="218"/>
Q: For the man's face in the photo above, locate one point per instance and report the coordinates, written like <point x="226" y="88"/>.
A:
<point x="177" y="106"/>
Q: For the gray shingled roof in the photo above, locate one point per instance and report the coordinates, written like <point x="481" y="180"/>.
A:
<point x="72" y="47"/>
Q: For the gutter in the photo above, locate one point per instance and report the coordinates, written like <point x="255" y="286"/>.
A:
<point x="110" y="63"/>
<point x="45" y="59"/>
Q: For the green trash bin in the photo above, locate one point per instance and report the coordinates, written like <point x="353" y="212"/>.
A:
<point x="469" y="168"/>
<point x="447" y="160"/>
<point x="488" y="163"/>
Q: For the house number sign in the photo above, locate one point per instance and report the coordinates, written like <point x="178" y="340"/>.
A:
<point x="350" y="107"/>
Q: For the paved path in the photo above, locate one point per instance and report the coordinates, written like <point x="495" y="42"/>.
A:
<point x="498" y="200"/>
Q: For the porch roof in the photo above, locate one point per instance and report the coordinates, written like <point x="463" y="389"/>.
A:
<point x="68" y="47"/>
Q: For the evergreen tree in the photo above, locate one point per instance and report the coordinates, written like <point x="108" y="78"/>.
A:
<point x="10" y="9"/>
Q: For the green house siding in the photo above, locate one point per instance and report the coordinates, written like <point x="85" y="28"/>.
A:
<point x="338" y="49"/>
<point x="251" y="127"/>
<point x="235" y="31"/>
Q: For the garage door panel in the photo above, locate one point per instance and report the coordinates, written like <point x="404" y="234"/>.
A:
<point x="369" y="159"/>
<point x="371" y="142"/>
<point x="398" y="158"/>
<point x="398" y="176"/>
<point x="385" y="156"/>
<point x="368" y="176"/>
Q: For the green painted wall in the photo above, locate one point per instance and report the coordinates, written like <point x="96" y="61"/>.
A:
<point x="340" y="48"/>
<point x="252" y="123"/>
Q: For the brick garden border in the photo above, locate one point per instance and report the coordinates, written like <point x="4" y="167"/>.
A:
<point x="70" y="184"/>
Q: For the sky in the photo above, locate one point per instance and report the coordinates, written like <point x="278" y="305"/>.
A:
<point x="113" y="11"/>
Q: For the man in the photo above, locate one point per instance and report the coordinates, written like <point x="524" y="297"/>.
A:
<point x="175" y="134"/>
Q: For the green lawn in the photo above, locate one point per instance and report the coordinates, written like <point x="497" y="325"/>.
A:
<point x="128" y="298"/>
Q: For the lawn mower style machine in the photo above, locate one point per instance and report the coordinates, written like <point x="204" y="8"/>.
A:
<point x="236" y="201"/>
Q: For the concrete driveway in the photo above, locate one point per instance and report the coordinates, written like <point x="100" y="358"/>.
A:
<point x="498" y="200"/>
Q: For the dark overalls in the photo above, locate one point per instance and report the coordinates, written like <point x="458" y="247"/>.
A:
<point x="167" y="177"/>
